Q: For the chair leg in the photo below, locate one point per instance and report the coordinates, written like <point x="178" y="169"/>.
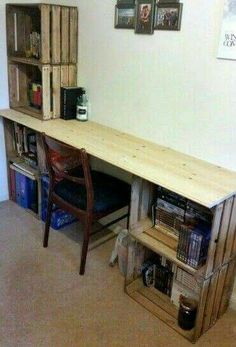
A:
<point x="84" y="252"/>
<point x="48" y="223"/>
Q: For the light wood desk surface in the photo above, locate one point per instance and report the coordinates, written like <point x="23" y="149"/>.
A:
<point x="195" y="179"/>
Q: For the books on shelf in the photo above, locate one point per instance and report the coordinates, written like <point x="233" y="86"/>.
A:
<point x="35" y="95"/>
<point x="186" y="221"/>
<point x="170" y="210"/>
<point x="193" y="245"/>
<point x="25" y="144"/>
<point x="26" y="192"/>
<point x="158" y="272"/>
<point x="162" y="275"/>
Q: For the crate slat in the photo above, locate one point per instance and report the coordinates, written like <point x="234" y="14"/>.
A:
<point x="56" y="95"/>
<point x="219" y="256"/>
<point x="73" y="34"/>
<point x="45" y="33"/>
<point x="65" y="37"/>
<point x="46" y="87"/>
<point x="214" y="237"/>
<point x="72" y="78"/>
<point x="228" y="287"/>
<point x="56" y="34"/>
<point x="231" y="234"/>
<point x="210" y="302"/>
<point x="219" y="292"/>
<point x="201" y="309"/>
<point x="13" y="85"/>
<point x="64" y="76"/>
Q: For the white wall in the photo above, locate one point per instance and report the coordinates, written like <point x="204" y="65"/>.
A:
<point x="168" y="87"/>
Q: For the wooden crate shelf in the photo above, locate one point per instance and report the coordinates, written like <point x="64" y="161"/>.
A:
<point x="158" y="304"/>
<point x="50" y="77"/>
<point x="57" y="26"/>
<point x="42" y="43"/>
<point x="169" y="253"/>
<point x="215" y="278"/>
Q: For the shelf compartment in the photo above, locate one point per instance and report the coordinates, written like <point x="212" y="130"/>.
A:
<point x="163" y="250"/>
<point x="56" y="26"/>
<point x="51" y="79"/>
<point x="158" y="304"/>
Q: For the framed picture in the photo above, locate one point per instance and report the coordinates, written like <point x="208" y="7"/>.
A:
<point x="227" y="45"/>
<point x="124" y="16"/>
<point x="168" y="16"/>
<point x="144" y="16"/>
<point x="125" y="2"/>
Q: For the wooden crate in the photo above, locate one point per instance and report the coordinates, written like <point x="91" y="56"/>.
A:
<point x="216" y="277"/>
<point x="51" y="77"/>
<point x="58" y="28"/>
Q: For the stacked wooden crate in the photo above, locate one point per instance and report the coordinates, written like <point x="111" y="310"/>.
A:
<point x="56" y="64"/>
<point x="215" y="278"/>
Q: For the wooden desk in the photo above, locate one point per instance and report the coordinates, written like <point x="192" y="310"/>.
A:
<point x="195" y="179"/>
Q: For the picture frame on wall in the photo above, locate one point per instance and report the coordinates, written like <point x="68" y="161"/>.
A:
<point x="124" y="16"/>
<point x="125" y="2"/>
<point x="144" y="16"/>
<point x="168" y="16"/>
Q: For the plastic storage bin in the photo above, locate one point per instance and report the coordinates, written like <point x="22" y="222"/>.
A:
<point x="59" y="218"/>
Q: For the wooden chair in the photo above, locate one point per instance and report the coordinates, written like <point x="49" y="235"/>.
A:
<point x="87" y="194"/>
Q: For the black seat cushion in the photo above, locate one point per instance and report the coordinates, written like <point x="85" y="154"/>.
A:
<point x="110" y="193"/>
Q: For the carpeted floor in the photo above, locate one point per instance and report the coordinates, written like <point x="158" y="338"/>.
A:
<point x="44" y="301"/>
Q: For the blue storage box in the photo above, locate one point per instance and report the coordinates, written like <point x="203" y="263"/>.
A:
<point x="26" y="192"/>
<point x="59" y="218"/>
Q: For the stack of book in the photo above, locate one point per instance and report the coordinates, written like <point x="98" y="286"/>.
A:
<point x="24" y="142"/>
<point x="193" y="244"/>
<point x="35" y="95"/>
<point x="164" y="277"/>
<point x="23" y="187"/>
<point x="161" y="274"/>
<point x="158" y="272"/>
<point x="170" y="210"/>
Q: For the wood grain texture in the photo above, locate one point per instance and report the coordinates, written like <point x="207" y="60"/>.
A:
<point x="73" y="34"/>
<point x="46" y="87"/>
<point x="65" y="15"/>
<point x="202" y="182"/>
<point x="45" y="33"/>
<point x="64" y="76"/>
<point x="56" y="91"/>
<point x="228" y="288"/>
<point x="231" y="234"/>
<point x="210" y="302"/>
<point x="219" y="256"/>
<point x="201" y="309"/>
<point x="214" y="238"/>
<point x="56" y="34"/>
<point x="219" y="292"/>
<point x="72" y="75"/>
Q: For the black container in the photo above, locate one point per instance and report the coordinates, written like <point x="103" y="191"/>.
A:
<point x="187" y="313"/>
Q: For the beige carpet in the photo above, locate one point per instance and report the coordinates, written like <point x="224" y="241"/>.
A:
<point x="44" y="301"/>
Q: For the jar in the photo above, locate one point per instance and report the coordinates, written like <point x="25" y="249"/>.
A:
<point x="187" y="313"/>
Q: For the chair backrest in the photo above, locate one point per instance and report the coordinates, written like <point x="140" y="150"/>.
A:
<point x="61" y="159"/>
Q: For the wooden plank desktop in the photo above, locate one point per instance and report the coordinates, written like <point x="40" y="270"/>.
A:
<point x="198" y="180"/>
